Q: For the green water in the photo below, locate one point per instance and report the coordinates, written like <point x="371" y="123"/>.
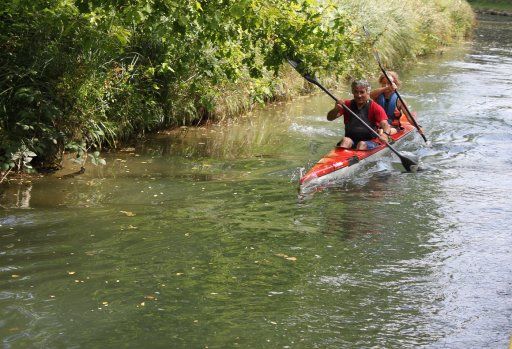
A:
<point x="200" y="239"/>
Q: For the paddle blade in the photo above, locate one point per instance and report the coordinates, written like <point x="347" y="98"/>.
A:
<point x="311" y="79"/>
<point x="409" y="165"/>
<point x="307" y="76"/>
<point x="293" y="63"/>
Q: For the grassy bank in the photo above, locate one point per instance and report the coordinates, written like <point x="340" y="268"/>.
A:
<point x="81" y="75"/>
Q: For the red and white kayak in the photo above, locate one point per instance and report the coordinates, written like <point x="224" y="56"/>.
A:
<point x="340" y="162"/>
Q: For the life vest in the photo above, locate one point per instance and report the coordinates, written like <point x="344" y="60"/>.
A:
<point x="389" y="106"/>
<point x="354" y="129"/>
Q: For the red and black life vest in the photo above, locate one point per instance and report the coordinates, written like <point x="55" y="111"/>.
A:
<point x="354" y="129"/>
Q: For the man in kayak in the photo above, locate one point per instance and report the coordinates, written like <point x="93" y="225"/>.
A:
<point x="387" y="98"/>
<point x="356" y="134"/>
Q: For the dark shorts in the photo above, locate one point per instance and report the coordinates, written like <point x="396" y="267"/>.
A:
<point x="370" y="144"/>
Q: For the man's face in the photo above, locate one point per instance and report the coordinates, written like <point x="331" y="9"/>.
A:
<point x="361" y="94"/>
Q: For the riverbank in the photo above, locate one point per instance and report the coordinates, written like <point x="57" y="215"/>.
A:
<point x="493" y="12"/>
<point x="80" y="79"/>
<point x="492" y="7"/>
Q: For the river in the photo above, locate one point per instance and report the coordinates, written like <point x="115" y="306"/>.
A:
<point x="200" y="239"/>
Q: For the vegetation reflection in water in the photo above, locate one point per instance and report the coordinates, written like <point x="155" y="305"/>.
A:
<point x="213" y="269"/>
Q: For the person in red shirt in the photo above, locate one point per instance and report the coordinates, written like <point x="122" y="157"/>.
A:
<point x="356" y="134"/>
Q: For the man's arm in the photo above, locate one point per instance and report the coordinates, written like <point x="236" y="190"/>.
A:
<point x="336" y="112"/>
<point x="381" y="119"/>
<point x="385" y="127"/>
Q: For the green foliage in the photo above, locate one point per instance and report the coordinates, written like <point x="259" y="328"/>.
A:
<point x="17" y="158"/>
<point x="81" y="74"/>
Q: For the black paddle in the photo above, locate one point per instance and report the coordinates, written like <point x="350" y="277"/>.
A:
<point x="408" y="164"/>
<point x="408" y="113"/>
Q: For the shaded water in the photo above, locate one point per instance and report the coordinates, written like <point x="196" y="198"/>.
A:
<point x="201" y="240"/>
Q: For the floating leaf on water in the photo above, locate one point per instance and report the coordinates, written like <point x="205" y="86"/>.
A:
<point x="290" y="258"/>
<point x="128" y="213"/>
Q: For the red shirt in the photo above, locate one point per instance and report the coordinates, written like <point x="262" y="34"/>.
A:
<point x="376" y="113"/>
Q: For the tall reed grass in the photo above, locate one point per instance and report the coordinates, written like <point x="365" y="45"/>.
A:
<point x="407" y="29"/>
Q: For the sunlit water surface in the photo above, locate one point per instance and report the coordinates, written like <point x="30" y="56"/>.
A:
<point x="199" y="238"/>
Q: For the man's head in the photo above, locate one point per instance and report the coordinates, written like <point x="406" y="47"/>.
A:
<point x="361" y="90"/>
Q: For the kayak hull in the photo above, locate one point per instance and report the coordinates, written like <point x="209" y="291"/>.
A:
<point x="340" y="163"/>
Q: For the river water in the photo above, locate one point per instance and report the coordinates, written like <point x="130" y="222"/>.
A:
<point x="200" y="239"/>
